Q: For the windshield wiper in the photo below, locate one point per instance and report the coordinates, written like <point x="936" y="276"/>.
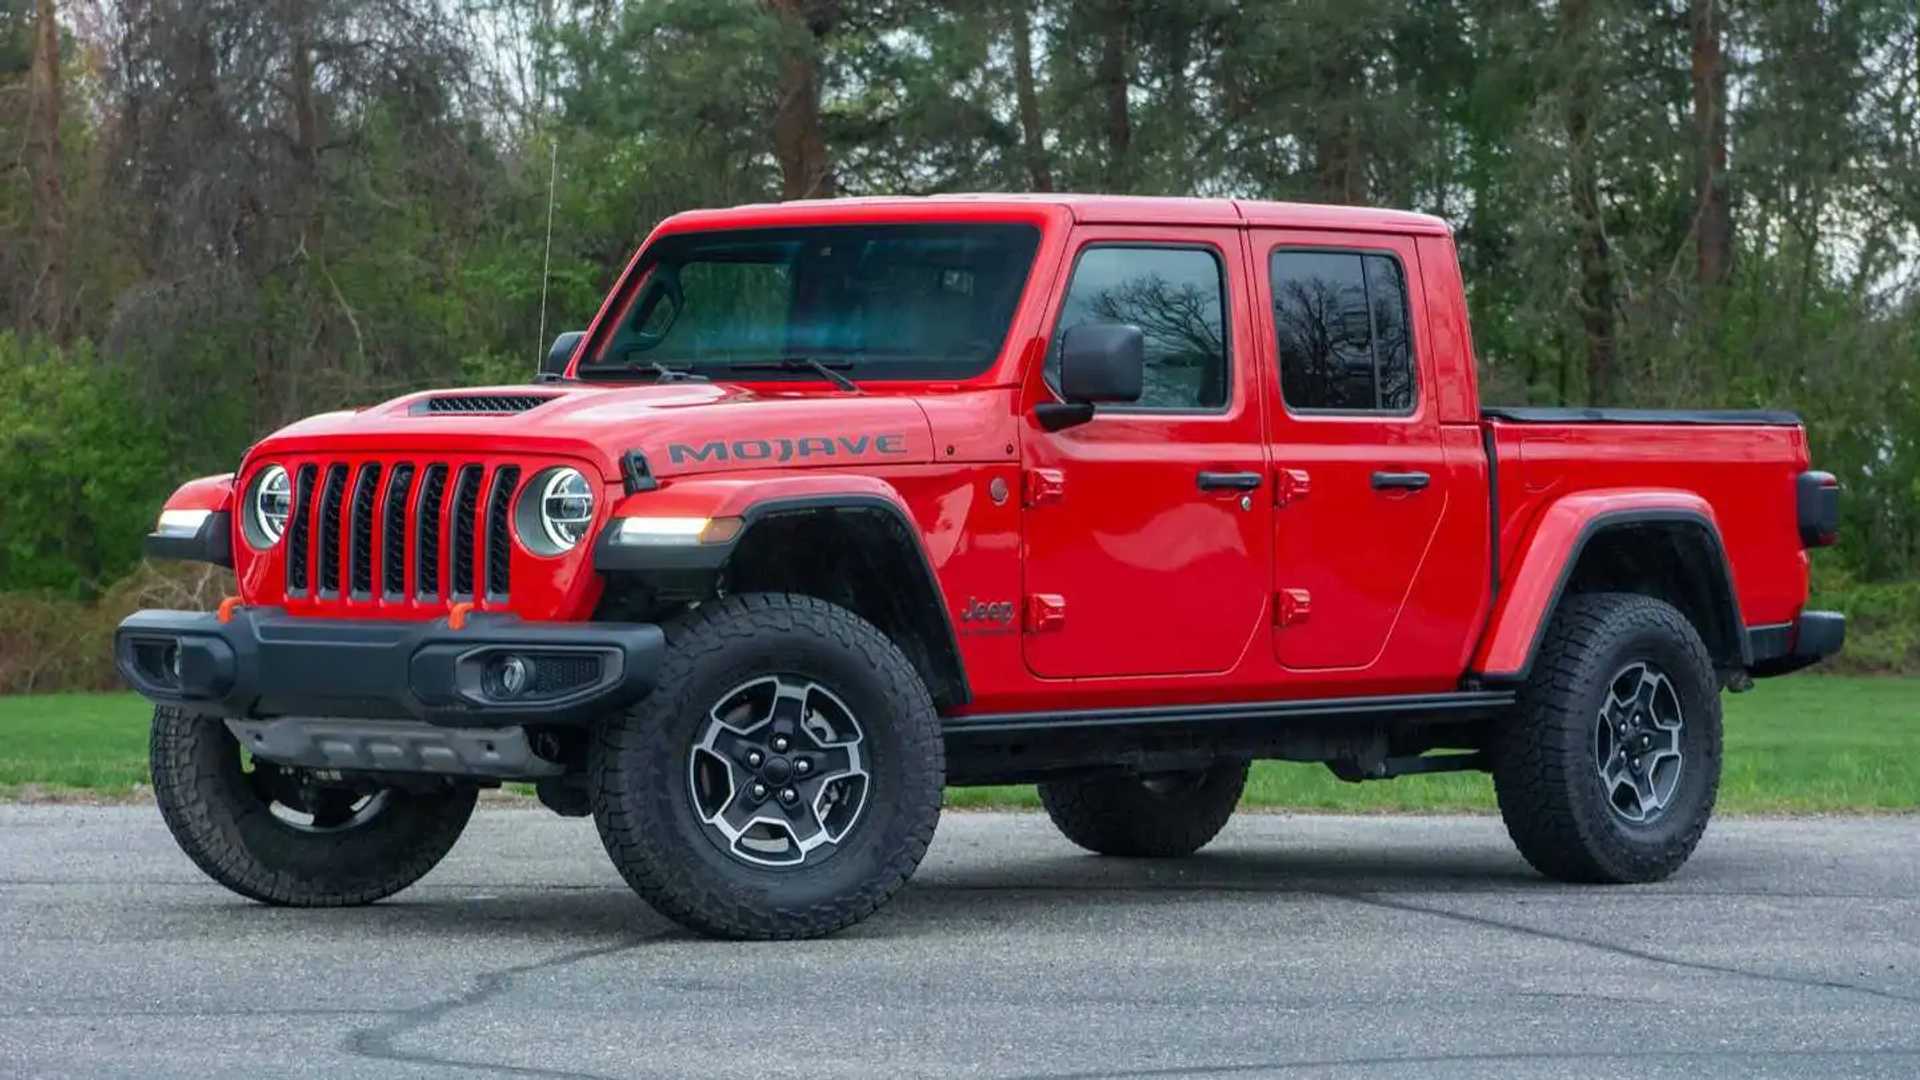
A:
<point x="801" y="363"/>
<point x="661" y="372"/>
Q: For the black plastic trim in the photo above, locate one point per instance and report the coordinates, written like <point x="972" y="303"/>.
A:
<point x="637" y="473"/>
<point x="682" y="559"/>
<point x="1493" y="512"/>
<point x="1530" y="414"/>
<point x="1386" y="705"/>
<point x="211" y="543"/>
<point x="1617" y="519"/>
<point x="265" y="663"/>
<point x="1783" y="648"/>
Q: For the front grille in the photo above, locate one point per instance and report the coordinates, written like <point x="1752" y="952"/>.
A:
<point x="466" y="500"/>
<point x="365" y="488"/>
<point x="433" y="531"/>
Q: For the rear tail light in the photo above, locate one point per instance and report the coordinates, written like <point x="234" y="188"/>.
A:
<point x="1818" y="497"/>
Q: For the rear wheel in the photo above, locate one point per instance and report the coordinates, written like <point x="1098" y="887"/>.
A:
<point x="298" y="837"/>
<point x="1608" y="767"/>
<point x="1157" y="816"/>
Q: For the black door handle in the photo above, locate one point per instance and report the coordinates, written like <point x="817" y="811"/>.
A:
<point x="1230" y="481"/>
<point x="1411" y="481"/>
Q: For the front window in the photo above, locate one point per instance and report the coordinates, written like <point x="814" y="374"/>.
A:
<point x="874" y="301"/>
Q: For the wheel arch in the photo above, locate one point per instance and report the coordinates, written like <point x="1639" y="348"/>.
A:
<point x="852" y="543"/>
<point x="1666" y="545"/>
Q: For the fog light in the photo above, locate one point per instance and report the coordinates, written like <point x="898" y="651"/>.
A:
<point x="513" y="676"/>
<point x="173" y="665"/>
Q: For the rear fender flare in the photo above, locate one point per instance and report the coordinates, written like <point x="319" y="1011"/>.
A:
<point x="1552" y="554"/>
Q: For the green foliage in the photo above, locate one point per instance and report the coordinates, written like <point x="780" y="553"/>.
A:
<point x="80" y="467"/>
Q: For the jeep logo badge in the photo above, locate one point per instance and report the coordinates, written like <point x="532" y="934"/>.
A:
<point x="983" y="611"/>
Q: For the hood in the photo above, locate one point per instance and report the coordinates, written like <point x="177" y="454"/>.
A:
<point x="680" y="427"/>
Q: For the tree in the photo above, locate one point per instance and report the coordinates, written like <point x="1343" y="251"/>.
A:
<point x="1579" y="32"/>
<point x="799" y="140"/>
<point x="47" y="302"/>
<point x="1713" y="221"/>
<point x="1032" y="134"/>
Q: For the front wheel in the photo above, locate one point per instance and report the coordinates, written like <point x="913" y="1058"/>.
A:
<point x="782" y="781"/>
<point x="1607" y="769"/>
<point x="290" y="836"/>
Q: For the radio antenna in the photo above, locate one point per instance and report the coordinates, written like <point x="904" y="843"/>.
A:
<point x="546" y="270"/>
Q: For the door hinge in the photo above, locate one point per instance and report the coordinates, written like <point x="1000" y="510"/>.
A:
<point x="1291" y="606"/>
<point x="1046" y="611"/>
<point x="1290" y="485"/>
<point x="1044" y="486"/>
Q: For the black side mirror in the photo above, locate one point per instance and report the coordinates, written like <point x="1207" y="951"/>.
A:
<point x="554" y="368"/>
<point x="1098" y="362"/>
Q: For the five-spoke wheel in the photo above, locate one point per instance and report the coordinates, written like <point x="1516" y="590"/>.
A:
<point x="1636" y="742"/>
<point x="778" y="775"/>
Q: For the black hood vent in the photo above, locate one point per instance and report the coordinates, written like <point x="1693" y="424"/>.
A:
<point x="467" y="404"/>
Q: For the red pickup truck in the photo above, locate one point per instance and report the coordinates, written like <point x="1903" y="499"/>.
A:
<point x="837" y="503"/>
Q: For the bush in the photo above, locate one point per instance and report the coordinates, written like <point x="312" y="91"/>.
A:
<point x="1883" y="622"/>
<point x="50" y="641"/>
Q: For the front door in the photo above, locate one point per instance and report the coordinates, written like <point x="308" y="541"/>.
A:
<point x="1361" y="483"/>
<point x="1146" y="528"/>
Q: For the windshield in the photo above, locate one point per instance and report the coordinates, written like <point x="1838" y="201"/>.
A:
<point x="874" y="301"/>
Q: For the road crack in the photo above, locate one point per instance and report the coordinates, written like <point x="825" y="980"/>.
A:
<point x="378" y="1043"/>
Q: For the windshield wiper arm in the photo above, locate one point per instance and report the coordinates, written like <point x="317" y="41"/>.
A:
<point x="660" y="371"/>
<point x="801" y="363"/>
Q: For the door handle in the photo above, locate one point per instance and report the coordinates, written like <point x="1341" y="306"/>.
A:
<point x="1228" y="481"/>
<point x="1410" y="481"/>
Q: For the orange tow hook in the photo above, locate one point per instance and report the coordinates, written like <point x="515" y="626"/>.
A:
<point x="227" y="608"/>
<point x="457" y="616"/>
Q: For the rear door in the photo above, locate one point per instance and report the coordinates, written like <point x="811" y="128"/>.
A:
<point x="1146" y="528"/>
<point x="1360" y="479"/>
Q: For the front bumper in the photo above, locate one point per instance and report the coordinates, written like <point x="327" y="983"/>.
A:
<point x="1788" y="647"/>
<point x="263" y="663"/>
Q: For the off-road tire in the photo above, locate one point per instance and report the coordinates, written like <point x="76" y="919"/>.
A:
<point x="235" y="838"/>
<point x="638" y="767"/>
<point x="1554" y="803"/>
<point x="1126" y="815"/>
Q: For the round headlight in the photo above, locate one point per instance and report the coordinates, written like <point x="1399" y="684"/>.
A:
<point x="270" y="505"/>
<point x="566" y="507"/>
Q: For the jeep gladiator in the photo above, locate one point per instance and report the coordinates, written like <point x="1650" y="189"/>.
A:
<point x="836" y="503"/>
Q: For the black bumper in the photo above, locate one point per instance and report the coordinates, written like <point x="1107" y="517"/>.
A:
<point x="1788" y="647"/>
<point x="265" y="663"/>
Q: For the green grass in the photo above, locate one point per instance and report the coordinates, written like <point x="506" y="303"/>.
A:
<point x="1810" y="744"/>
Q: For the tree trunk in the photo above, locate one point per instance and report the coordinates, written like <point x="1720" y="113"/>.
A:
<point x="1113" y="81"/>
<point x="1033" y="146"/>
<point x="799" y="137"/>
<point x="1713" y="226"/>
<point x="1339" y="168"/>
<point x="1596" y="265"/>
<point x="47" y="304"/>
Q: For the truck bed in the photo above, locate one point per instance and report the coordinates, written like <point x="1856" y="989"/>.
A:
<point x="1743" y="463"/>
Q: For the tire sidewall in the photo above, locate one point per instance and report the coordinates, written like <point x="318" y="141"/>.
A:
<point x="674" y="718"/>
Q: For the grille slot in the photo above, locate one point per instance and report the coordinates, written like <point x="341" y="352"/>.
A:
<point x="297" y="525"/>
<point x="393" y="532"/>
<point x="360" y="570"/>
<point x="483" y="403"/>
<point x="332" y="494"/>
<point x="499" y="539"/>
<point x="433" y="494"/>
<point x="466" y="507"/>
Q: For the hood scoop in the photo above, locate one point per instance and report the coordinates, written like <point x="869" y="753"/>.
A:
<point x="478" y="404"/>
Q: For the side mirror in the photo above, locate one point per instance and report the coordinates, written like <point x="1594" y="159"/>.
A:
<point x="554" y="368"/>
<point x="1098" y="362"/>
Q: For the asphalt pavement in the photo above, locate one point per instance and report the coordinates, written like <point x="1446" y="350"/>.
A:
<point x="1293" y="946"/>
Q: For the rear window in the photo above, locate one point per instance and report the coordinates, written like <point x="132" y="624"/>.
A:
<point x="1343" y="331"/>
